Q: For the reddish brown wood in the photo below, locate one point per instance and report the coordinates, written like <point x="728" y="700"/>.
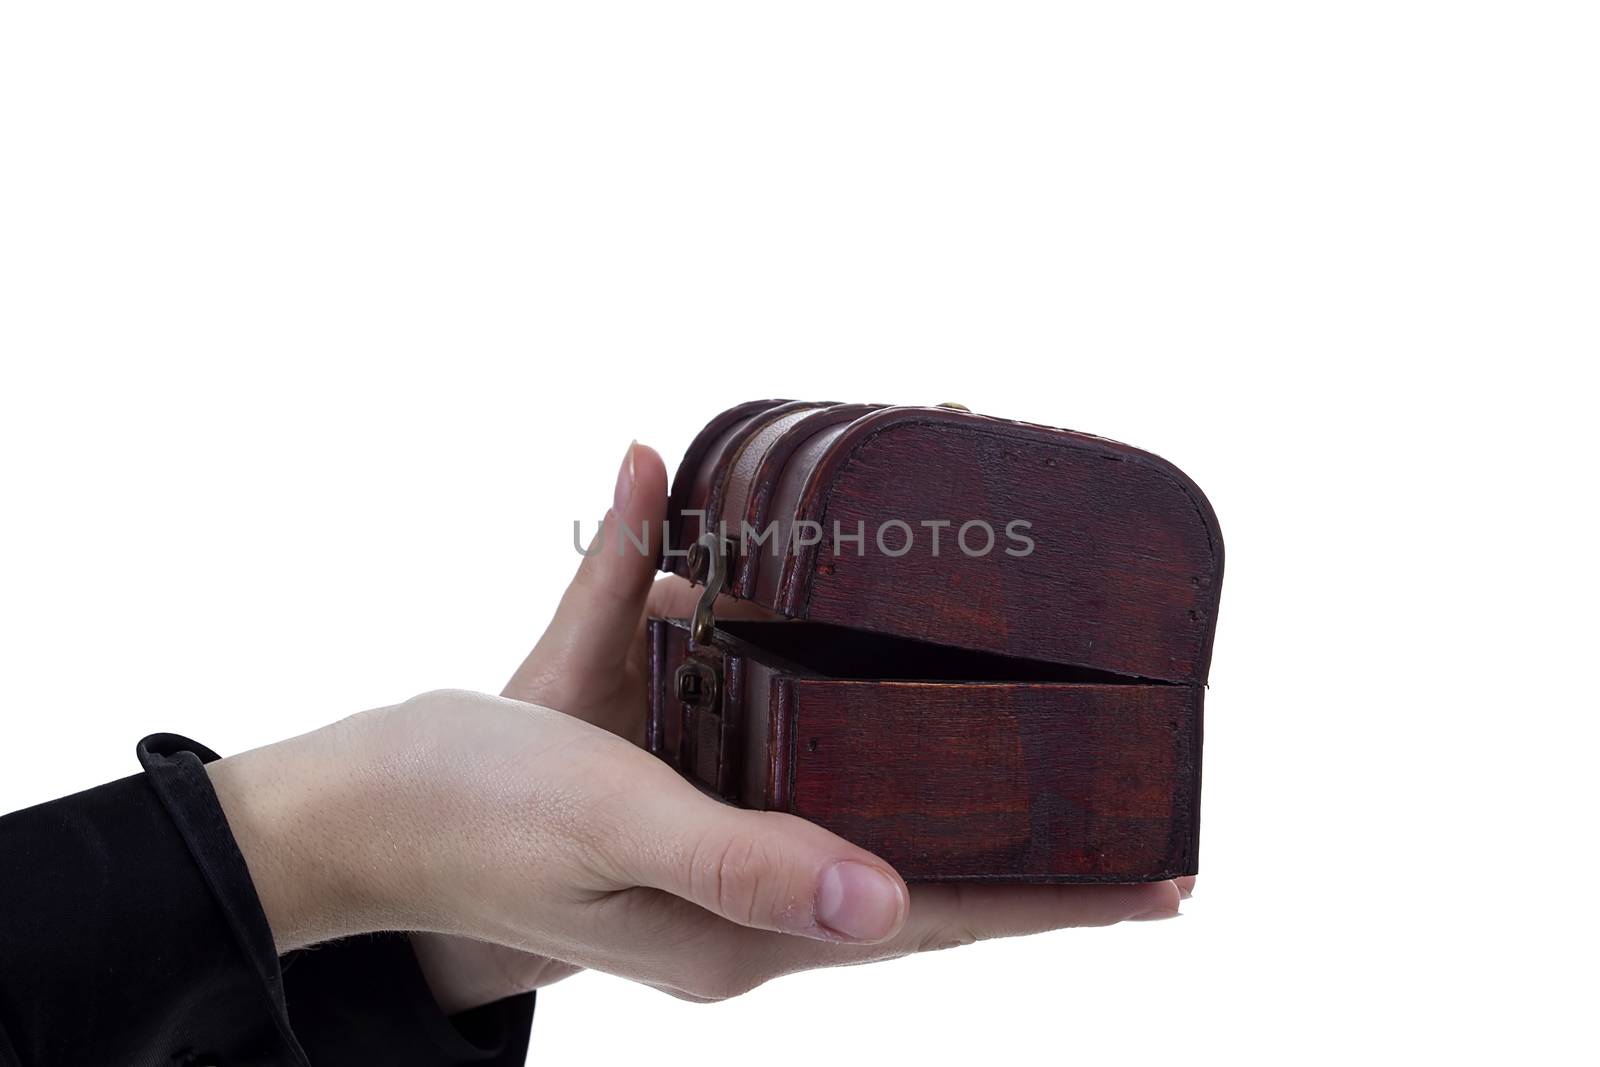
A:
<point x="1035" y="781"/>
<point x="992" y="717"/>
<point x="1127" y="565"/>
<point x="692" y="486"/>
<point x="980" y="780"/>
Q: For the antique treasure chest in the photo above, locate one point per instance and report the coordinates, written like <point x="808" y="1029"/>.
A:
<point x="985" y="648"/>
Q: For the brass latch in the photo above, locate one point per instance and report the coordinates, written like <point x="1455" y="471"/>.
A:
<point x="696" y="685"/>
<point x="715" y="556"/>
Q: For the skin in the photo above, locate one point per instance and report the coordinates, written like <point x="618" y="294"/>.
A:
<point x="525" y="837"/>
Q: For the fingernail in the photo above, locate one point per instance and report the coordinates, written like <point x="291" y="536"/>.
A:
<point x="1185" y="886"/>
<point x="858" y="902"/>
<point x="625" y="476"/>
<point x="1155" y="914"/>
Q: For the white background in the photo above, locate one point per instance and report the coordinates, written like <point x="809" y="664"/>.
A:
<point x="320" y="324"/>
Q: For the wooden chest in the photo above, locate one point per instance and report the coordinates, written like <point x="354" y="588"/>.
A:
<point x="985" y="648"/>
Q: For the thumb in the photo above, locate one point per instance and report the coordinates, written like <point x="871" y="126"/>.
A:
<point x="597" y="623"/>
<point x="763" y="869"/>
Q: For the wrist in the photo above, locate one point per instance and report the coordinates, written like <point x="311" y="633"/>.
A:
<point x="288" y="806"/>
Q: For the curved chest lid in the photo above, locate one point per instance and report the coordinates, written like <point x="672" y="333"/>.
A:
<point x="941" y="526"/>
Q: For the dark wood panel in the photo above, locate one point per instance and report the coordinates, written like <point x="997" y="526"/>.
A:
<point x="1123" y="575"/>
<point x="1006" y="781"/>
<point x="989" y="716"/>
<point x="1002" y="781"/>
<point x="692" y="482"/>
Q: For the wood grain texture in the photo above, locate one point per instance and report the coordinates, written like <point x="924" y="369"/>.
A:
<point x="1124" y="573"/>
<point x="987" y="716"/>
<point x="990" y="781"/>
<point x="692" y="485"/>
<point x="764" y="477"/>
<point x="1001" y="781"/>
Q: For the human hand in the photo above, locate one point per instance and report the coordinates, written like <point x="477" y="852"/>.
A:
<point x="541" y="841"/>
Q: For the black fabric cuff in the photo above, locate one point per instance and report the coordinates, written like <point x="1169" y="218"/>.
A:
<point x="175" y="768"/>
<point x="364" y="1000"/>
<point x="358" y="1001"/>
<point x="113" y="949"/>
<point x="130" y="933"/>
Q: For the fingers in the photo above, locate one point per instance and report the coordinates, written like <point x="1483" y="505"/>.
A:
<point x="664" y="941"/>
<point x="765" y="870"/>
<point x="673" y="597"/>
<point x="954" y="915"/>
<point x="1185" y="886"/>
<point x="951" y="915"/>
<point x="597" y="623"/>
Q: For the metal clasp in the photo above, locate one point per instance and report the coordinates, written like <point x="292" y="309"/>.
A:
<point x="697" y="685"/>
<point x="716" y="552"/>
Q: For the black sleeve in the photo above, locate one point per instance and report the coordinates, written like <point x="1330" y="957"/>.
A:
<point x="130" y="934"/>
